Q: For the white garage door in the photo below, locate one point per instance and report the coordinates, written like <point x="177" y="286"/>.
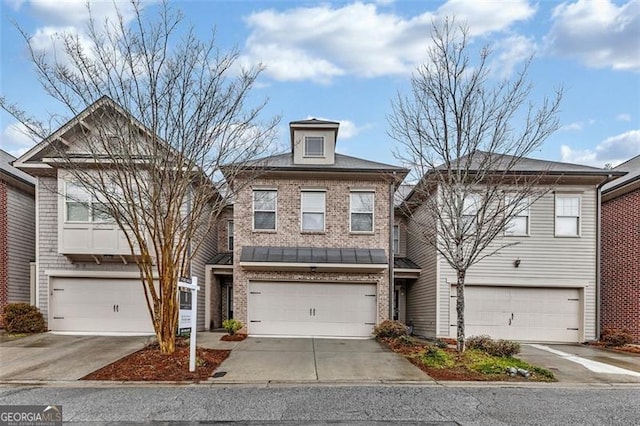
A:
<point x="534" y="314"/>
<point x="98" y="305"/>
<point x="318" y="309"/>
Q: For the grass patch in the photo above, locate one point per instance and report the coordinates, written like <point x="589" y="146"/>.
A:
<point x="493" y="365"/>
<point x="435" y="357"/>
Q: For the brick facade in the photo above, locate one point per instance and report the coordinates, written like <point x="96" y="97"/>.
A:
<point x="620" y="274"/>
<point x="288" y="233"/>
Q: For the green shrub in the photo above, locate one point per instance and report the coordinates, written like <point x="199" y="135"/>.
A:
<point x="613" y="337"/>
<point x="23" y="318"/>
<point x="504" y="348"/>
<point x="232" y="325"/>
<point x="434" y="357"/>
<point x="406" y="340"/>
<point x="390" y="328"/>
<point x="441" y="344"/>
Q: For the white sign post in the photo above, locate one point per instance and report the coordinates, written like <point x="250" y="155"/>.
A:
<point x="193" y="286"/>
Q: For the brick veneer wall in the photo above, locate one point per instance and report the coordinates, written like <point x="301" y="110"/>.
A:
<point x="620" y="274"/>
<point x="4" y="261"/>
<point x="288" y="233"/>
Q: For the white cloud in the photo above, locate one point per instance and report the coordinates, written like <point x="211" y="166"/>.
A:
<point x="486" y="16"/>
<point x="348" y="128"/>
<point x="614" y="150"/>
<point x="623" y="117"/>
<point x="16" y="140"/>
<point x="512" y="51"/>
<point x="323" y="42"/>
<point x="578" y="125"/>
<point x="599" y="33"/>
<point x="75" y="13"/>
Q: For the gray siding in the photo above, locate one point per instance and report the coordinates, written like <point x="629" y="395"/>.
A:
<point x="546" y="260"/>
<point x="422" y="294"/>
<point x="48" y="256"/>
<point x="21" y="244"/>
<point x="205" y="252"/>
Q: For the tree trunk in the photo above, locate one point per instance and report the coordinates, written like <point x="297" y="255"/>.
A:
<point x="460" y="311"/>
<point x="168" y="310"/>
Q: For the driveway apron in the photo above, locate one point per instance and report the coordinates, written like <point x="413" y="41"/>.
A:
<point x="583" y="364"/>
<point x="263" y="359"/>
<point x="49" y="357"/>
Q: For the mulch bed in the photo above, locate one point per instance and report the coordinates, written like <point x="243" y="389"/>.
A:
<point x="233" y="338"/>
<point x="457" y="373"/>
<point x="149" y="364"/>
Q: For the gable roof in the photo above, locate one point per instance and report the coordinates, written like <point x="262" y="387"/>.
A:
<point x="314" y="121"/>
<point x="32" y="158"/>
<point x="527" y="165"/>
<point x="632" y="169"/>
<point x="509" y="164"/>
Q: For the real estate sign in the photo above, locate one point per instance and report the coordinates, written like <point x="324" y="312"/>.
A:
<point x="184" y="316"/>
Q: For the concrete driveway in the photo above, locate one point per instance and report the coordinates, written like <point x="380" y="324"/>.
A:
<point x="583" y="364"/>
<point x="260" y="360"/>
<point x="50" y="357"/>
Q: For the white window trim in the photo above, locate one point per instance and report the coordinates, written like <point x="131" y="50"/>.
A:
<point x="555" y="215"/>
<point x="324" y="211"/>
<point x="253" y="210"/>
<point x="373" y="209"/>
<point x="90" y="207"/>
<point x="527" y="233"/>
<point x="230" y="235"/>
<point x="304" y="148"/>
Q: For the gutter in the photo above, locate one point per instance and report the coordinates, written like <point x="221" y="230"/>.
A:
<point x="609" y="178"/>
<point x="391" y="253"/>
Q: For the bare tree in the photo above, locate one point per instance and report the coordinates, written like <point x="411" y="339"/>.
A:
<point x="458" y="132"/>
<point x="156" y="112"/>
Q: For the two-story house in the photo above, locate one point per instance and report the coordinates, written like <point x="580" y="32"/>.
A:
<point x="87" y="280"/>
<point x="310" y="242"/>
<point x="544" y="288"/>
<point x="17" y="233"/>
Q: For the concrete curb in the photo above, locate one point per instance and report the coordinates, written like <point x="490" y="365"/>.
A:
<point x="267" y="384"/>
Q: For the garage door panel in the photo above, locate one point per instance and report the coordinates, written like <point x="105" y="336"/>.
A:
<point x="311" y="309"/>
<point x="539" y="314"/>
<point x="93" y="305"/>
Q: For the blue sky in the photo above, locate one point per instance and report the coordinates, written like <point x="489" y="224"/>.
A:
<point x="345" y="61"/>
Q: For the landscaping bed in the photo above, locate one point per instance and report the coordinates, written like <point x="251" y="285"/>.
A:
<point x="238" y="337"/>
<point x="445" y="363"/>
<point x="149" y="364"/>
<point x="484" y="360"/>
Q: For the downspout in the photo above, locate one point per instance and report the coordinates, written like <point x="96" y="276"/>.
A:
<point x="391" y="254"/>
<point x="598" y="249"/>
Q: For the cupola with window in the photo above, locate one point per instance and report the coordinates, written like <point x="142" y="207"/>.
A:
<point x="313" y="141"/>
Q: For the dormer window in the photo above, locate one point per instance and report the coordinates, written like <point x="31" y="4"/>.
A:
<point x="314" y="146"/>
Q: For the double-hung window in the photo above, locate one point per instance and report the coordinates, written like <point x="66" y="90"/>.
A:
<point x="264" y="209"/>
<point x="230" y="235"/>
<point x="567" y="215"/>
<point x="314" y="146"/>
<point x="396" y="239"/>
<point x="313" y="210"/>
<point x="470" y="208"/>
<point x="362" y="203"/>
<point x="82" y="207"/>
<point x="518" y="225"/>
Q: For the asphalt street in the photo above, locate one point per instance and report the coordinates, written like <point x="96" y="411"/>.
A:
<point x="320" y="404"/>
